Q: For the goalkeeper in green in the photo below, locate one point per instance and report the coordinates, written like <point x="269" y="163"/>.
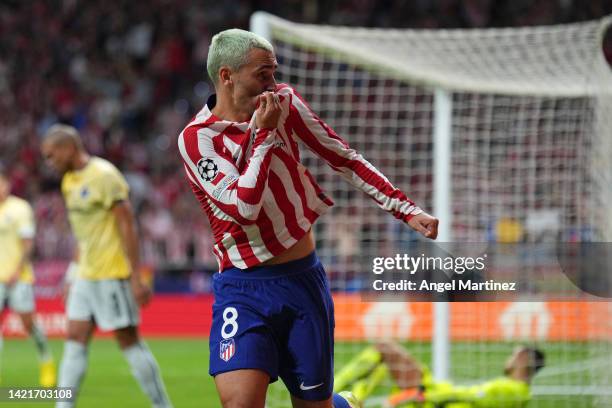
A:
<point x="417" y="389"/>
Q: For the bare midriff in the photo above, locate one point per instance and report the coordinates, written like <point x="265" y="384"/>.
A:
<point x="299" y="250"/>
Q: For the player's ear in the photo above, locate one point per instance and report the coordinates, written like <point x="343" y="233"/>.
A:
<point x="225" y="75"/>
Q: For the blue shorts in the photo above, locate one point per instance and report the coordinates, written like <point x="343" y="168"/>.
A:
<point x="278" y="319"/>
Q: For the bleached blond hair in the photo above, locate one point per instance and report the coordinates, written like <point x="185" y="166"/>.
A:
<point x="231" y="48"/>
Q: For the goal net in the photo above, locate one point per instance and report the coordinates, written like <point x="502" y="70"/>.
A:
<point x="526" y="158"/>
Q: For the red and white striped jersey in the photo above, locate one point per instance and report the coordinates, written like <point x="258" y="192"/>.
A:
<point x="259" y="198"/>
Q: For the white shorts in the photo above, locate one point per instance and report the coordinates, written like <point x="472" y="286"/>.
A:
<point x="19" y="297"/>
<point x="109" y="303"/>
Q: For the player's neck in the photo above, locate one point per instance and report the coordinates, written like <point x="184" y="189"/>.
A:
<point x="520" y="375"/>
<point x="226" y="109"/>
<point x="81" y="161"/>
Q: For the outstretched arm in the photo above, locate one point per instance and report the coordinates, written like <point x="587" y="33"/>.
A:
<point x="324" y="142"/>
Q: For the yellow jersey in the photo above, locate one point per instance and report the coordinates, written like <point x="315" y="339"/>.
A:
<point x="90" y="194"/>
<point x="16" y="224"/>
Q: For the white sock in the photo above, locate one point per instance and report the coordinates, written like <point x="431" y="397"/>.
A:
<point x="145" y="369"/>
<point x="72" y="370"/>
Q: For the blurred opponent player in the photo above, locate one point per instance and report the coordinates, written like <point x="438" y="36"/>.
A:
<point x="107" y="289"/>
<point x="17" y="231"/>
<point x="417" y="389"/>
<point x="273" y="312"/>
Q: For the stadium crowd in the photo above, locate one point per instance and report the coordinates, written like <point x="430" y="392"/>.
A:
<point x="129" y="74"/>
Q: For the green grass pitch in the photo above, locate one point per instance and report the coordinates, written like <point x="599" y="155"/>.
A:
<point x="184" y="364"/>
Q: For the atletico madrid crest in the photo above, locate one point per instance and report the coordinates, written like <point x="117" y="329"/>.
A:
<point x="227" y="349"/>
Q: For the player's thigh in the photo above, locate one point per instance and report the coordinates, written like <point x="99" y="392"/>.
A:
<point x="240" y="335"/>
<point x="126" y="336"/>
<point x="80" y="330"/>
<point x="114" y="307"/>
<point x="242" y="388"/>
<point x="300" y="403"/>
<point x="27" y="320"/>
<point x="79" y="312"/>
<point x="307" y="353"/>
<point x="79" y="301"/>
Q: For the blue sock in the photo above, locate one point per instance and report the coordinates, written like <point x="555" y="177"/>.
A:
<point x="340" y="402"/>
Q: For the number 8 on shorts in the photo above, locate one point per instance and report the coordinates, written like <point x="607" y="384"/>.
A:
<point x="230" y="314"/>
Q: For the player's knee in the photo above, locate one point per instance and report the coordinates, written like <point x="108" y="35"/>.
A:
<point x="78" y="337"/>
<point x="127" y="337"/>
<point x="242" y="395"/>
<point x="26" y="321"/>
<point x="242" y="388"/>
<point x="79" y="332"/>
<point x="239" y="400"/>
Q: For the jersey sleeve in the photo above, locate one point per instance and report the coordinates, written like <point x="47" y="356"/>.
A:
<point x="445" y="393"/>
<point x="501" y="392"/>
<point x="113" y="188"/>
<point x="491" y="394"/>
<point x="26" y="227"/>
<point x="325" y="143"/>
<point x="209" y="166"/>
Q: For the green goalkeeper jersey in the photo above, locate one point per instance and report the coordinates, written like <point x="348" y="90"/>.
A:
<point x="366" y="372"/>
<point x="501" y="392"/>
